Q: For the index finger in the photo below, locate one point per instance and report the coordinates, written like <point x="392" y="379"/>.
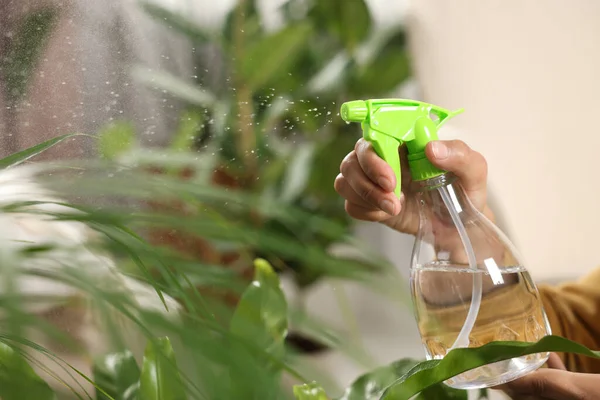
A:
<point x="374" y="167"/>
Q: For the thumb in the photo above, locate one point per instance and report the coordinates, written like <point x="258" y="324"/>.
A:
<point x="457" y="157"/>
<point x="554" y="384"/>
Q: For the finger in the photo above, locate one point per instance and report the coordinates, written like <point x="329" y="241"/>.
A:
<point x="455" y="156"/>
<point x="555" y="362"/>
<point x="365" y="213"/>
<point x="365" y="188"/>
<point x="344" y="189"/>
<point x="374" y="167"/>
<point x="549" y="384"/>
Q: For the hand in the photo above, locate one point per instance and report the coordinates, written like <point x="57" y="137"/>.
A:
<point x="554" y="383"/>
<point x="367" y="183"/>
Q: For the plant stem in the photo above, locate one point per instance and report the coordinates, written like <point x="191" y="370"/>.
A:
<point x="246" y="140"/>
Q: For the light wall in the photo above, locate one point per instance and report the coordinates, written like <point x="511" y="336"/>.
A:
<point x="526" y="73"/>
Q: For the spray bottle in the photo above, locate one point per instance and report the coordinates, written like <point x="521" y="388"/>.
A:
<point x="467" y="282"/>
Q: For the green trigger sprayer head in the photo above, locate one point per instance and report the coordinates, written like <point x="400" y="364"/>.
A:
<point x="388" y="123"/>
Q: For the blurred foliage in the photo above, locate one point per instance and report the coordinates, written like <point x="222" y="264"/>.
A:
<point x="263" y="113"/>
<point x="22" y="52"/>
<point x="270" y="121"/>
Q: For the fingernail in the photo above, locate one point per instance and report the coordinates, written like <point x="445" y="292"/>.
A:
<point x="387" y="206"/>
<point x="385" y="184"/>
<point x="440" y="150"/>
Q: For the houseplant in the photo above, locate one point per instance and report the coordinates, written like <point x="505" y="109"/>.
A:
<point x="211" y="351"/>
<point x="262" y="114"/>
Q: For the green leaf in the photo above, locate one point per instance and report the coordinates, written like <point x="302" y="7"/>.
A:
<point x="349" y="20"/>
<point x="116" y="374"/>
<point x="261" y="314"/>
<point x="18" y="380"/>
<point x="18" y="158"/>
<point x="267" y="59"/>
<point x="160" y="379"/>
<point x="116" y="139"/>
<point x="177" y="21"/>
<point x="258" y="329"/>
<point x="309" y="391"/>
<point x="24" y="51"/>
<point x="433" y="372"/>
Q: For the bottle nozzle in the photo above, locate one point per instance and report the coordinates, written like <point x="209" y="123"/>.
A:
<point x="354" y="111"/>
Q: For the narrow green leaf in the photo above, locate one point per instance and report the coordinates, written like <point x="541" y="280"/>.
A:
<point x="433" y="372"/>
<point x="24" y="51"/>
<point x="177" y="21"/>
<point x="274" y="55"/>
<point x="160" y="379"/>
<point x="116" y="374"/>
<point x="18" y="380"/>
<point x="18" y="158"/>
<point x="310" y="391"/>
<point x="116" y="139"/>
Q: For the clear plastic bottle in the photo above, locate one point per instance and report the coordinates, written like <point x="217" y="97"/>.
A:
<point x="468" y="283"/>
<point x="498" y="296"/>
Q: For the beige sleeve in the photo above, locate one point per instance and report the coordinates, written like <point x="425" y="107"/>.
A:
<point x="573" y="310"/>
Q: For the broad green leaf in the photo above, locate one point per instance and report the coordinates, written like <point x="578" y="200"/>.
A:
<point x="116" y="139"/>
<point x="309" y="391"/>
<point x="177" y="21"/>
<point x="269" y="58"/>
<point x="258" y="327"/>
<point x="116" y="374"/>
<point x="160" y="80"/>
<point x="21" y="58"/>
<point x="160" y="378"/>
<point x="18" y="380"/>
<point x="18" y="158"/>
<point x="429" y="373"/>
<point x="261" y="314"/>
<point x="349" y="20"/>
